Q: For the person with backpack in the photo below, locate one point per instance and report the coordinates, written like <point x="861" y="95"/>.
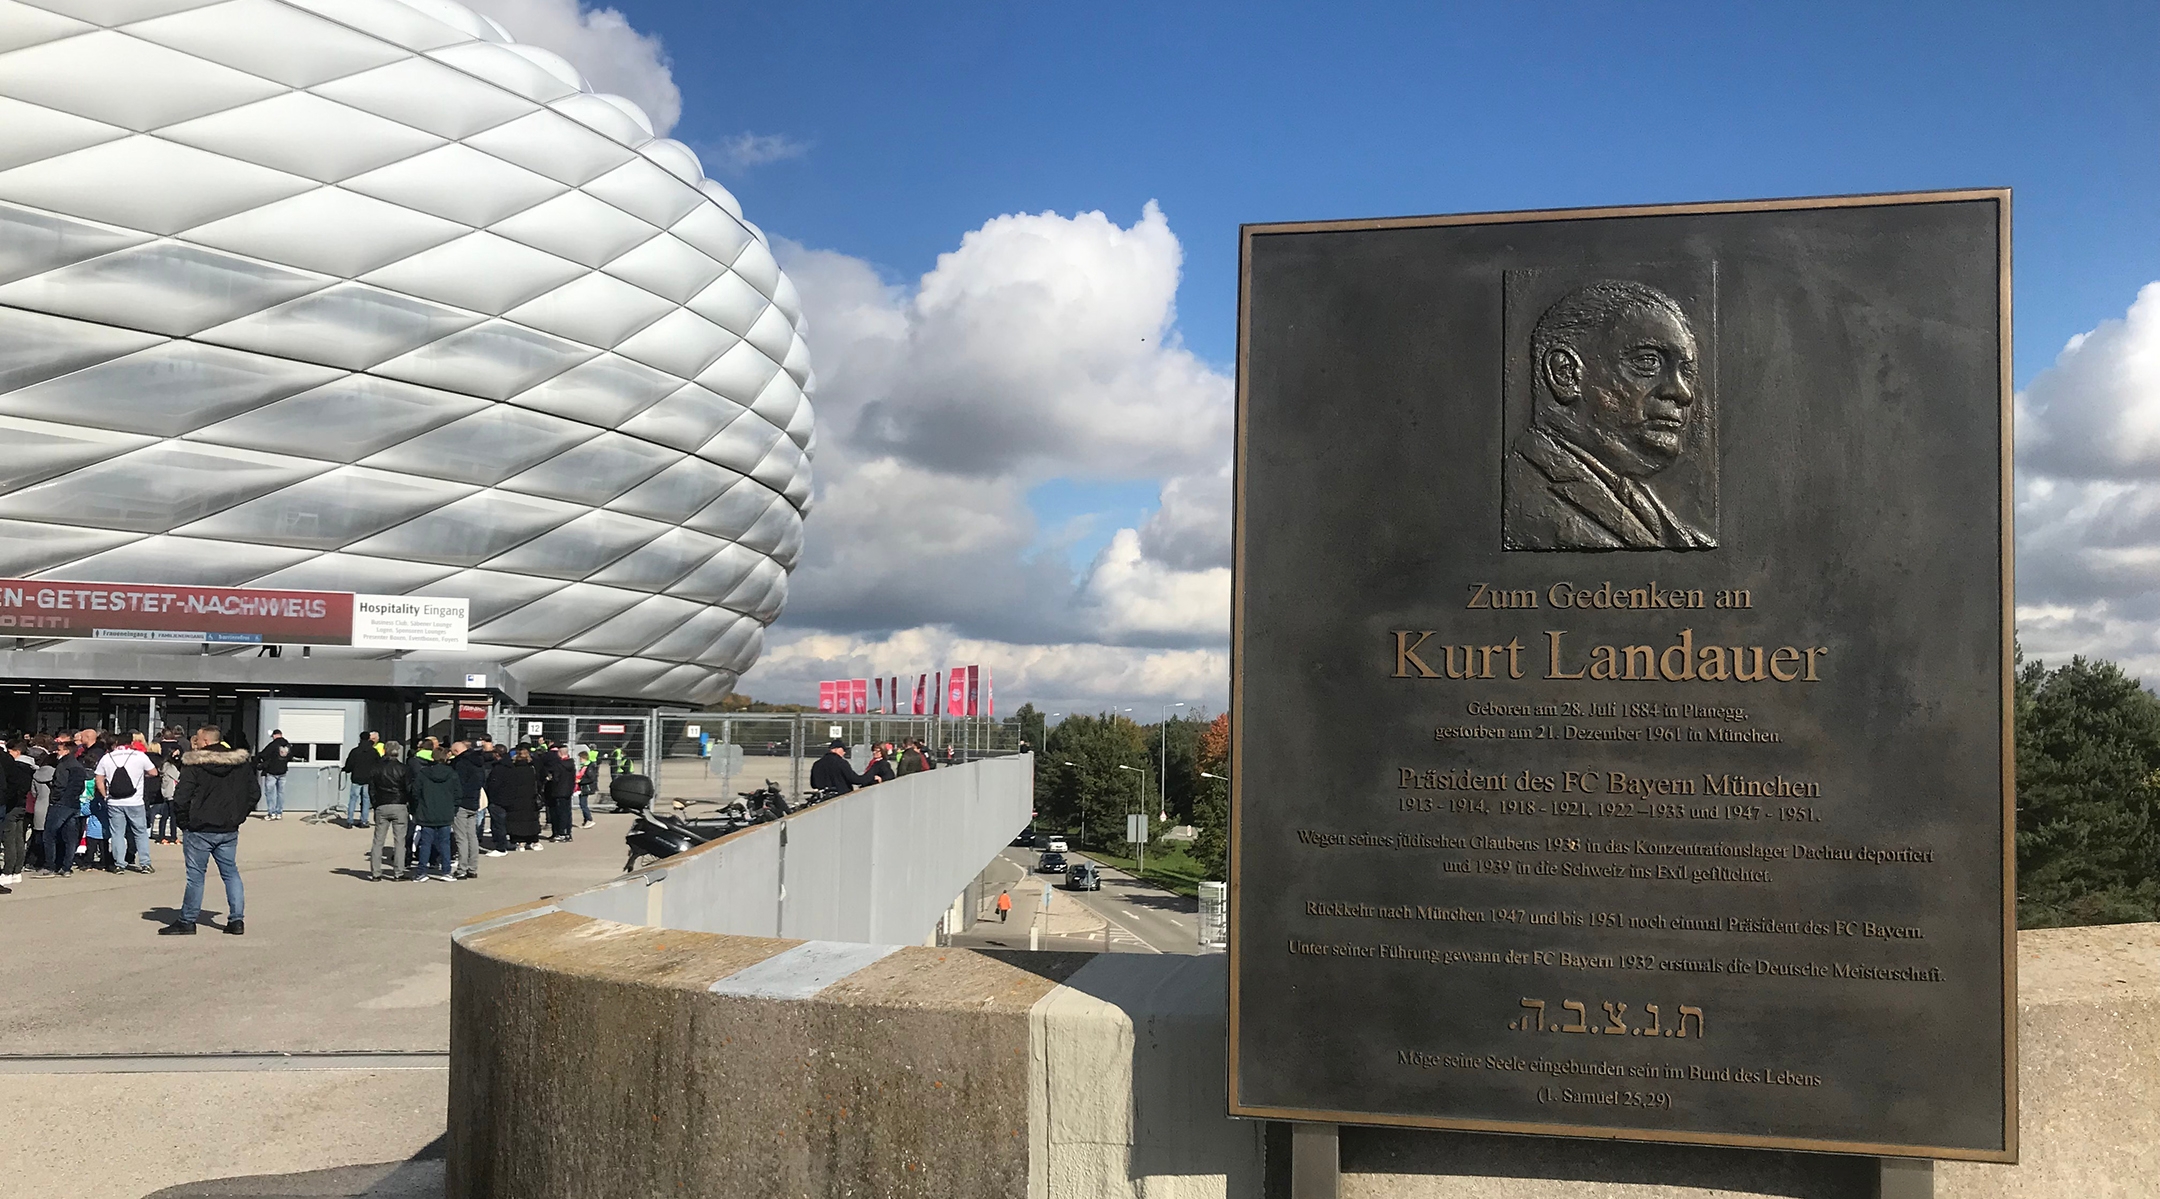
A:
<point x="271" y="764"/>
<point x="435" y="791"/>
<point x="359" y="773"/>
<point x="124" y="778"/>
<point x="218" y="789"/>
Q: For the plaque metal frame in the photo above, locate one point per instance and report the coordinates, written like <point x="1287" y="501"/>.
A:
<point x="2009" y="1154"/>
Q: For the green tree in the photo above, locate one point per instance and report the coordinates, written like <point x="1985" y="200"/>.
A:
<point x="1211" y="803"/>
<point x="1092" y="791"/>
<point x="2088" y="769"/>
<point x="1028" y="725"/>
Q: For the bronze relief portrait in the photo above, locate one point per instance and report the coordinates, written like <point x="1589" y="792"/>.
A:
<point x="1612" y="429"/>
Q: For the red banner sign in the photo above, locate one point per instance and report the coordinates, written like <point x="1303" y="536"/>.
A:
<point x="956" y="691"/>
<point x="827" y="696"/>
<point x="168" y="612"/>
<point x="859" y="696"/>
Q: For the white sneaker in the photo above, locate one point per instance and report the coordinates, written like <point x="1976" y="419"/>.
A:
<point x="587" y="824"/>
<point x="536" y="847"/>
<point x="493" y="853"/>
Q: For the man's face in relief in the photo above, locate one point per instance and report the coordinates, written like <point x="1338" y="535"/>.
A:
<point x="1632" y="387"/>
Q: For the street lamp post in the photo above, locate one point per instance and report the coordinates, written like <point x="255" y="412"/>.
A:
<point x="1162" y="778"/>
<point x="1083" y="805"/>
<point x="1140" y="797"/>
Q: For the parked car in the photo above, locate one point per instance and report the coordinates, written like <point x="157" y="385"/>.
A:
<point x="1083" y="876"/>
<point x="1057" y="845"/>
<point x="1052" y="862"/>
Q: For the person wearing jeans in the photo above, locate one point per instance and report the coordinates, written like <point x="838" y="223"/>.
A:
<point x="435" y="796"/>
<point x="124" y="779"/>
<point x="65" y="808"/>
<point x="217" y="790"/>
<point x="360" y="767"/>
<point x="200" y="849"/>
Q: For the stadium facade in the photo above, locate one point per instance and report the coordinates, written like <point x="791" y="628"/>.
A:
<point x="364" y="295"/>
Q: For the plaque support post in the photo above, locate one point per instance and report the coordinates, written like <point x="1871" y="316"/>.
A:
<point x="1905" y="1178"/>
<point x="1316" y="1162"/>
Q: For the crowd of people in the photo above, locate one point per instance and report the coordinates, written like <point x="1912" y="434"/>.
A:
<point x="94" y="800"/>
<point x="448" y="806"/>
<point x="834" y="774"/>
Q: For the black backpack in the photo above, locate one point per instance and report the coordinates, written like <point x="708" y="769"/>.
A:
<point x="122" y="785"/>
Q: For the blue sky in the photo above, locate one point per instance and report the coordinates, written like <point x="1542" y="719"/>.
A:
<point x="888" y="133"/>
<point x="920" y="122"/>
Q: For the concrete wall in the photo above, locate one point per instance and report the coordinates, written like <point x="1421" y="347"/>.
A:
<point x="878" y="866"/>
<point x="704" y="1064"/>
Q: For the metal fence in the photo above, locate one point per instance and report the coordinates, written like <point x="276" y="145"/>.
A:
<point x="715" y="755"/>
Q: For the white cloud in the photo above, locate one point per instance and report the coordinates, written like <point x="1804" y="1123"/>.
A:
<point x="746" y="150"/>
<point x="1044" y="347"/>
<point x="1136" y="596"/>
<point x="2088" y="496"/>
<point x="600" y="43"/>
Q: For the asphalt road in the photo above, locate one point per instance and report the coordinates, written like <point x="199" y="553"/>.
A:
<point x="1160" y="921"/>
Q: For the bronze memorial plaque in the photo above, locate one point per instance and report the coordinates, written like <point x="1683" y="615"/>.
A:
<point x="1622" y="675"/>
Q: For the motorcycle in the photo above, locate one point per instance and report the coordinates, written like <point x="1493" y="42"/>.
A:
<point x="658" y="835"/>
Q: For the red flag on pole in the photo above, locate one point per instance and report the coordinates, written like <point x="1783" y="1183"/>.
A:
<point x="825" y="696"/>
<point x="956" y="691"/>
<point x="921" y="681"/>
<point x="860" y="696"/>
<point x="974" y="691"/>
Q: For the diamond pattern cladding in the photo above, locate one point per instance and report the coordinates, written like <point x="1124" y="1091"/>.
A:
<point x="355" y="294"/>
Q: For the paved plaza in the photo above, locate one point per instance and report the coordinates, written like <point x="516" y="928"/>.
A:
<point x="257" y="1094"/>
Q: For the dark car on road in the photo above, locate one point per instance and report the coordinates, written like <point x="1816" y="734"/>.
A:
<point x="1083" y="876"/>
<point x="1050" y="863"/>
<point x="1026" y="839"/>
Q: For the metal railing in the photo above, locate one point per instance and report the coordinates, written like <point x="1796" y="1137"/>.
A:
<point x="713" y="755"/>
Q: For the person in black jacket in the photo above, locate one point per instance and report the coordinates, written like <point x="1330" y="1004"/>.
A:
<point x="272" y="762"/>
<point x="558" y="781"/>
<point x="832" y="772"/>
<point x="391" y="791"/>
<point x="471" y="767"/>
<point x="65" y="807"/>
<point x="217" y="791"/>
<point x="15" y="777"/>
<point x="514" y="790"/>
<point x="359" y="770"/>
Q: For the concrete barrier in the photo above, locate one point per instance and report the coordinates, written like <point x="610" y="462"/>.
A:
<point x="593" y="1056"/>
<point x="879" y="865"/>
